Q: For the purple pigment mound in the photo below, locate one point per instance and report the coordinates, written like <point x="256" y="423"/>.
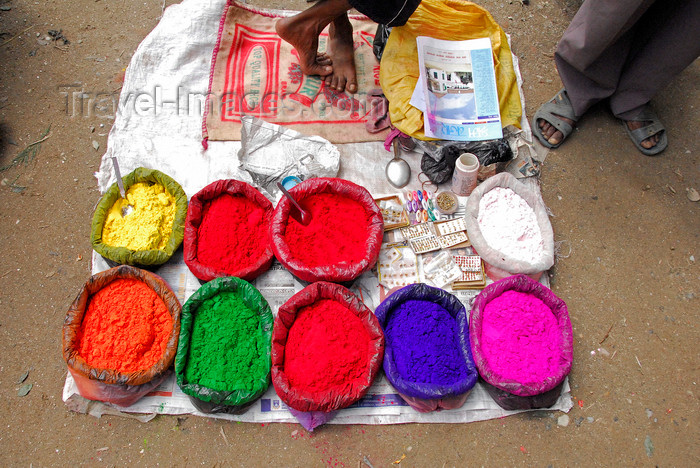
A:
<point x="423" y="337"/>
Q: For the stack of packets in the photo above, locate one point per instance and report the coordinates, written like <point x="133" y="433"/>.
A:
<point x="393" y="212"/>
<point x="472" y="268"/>
<point x="441" y="248"/>
<point x="428" y="237"/>
<point x="397" y="266"/>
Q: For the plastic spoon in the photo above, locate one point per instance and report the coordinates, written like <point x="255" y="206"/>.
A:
<point x="397" y="171"/>
<point x="301" y="215"/>
<point x="129" y="208"/>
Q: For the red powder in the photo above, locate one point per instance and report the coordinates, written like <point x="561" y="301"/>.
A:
<point x="232" y="234"/>
<point x="337" y="231"/>
<point x="126" y="327"/>
<point x="327" y="347"/>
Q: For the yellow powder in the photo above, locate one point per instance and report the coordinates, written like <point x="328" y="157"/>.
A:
<point x="149" y="226"/>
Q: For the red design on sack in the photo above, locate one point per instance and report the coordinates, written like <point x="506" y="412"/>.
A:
<point x="252" y="74"/>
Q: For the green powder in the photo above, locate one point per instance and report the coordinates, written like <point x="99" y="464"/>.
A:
<point x="226" y="345"/>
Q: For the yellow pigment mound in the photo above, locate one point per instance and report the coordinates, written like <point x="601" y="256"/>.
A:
<point x="149" y="226"/>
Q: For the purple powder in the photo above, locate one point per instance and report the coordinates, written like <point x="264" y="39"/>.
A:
<point x="424" y="342"/>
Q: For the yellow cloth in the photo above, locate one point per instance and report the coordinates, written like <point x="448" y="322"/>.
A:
<point x="453" y="20"/>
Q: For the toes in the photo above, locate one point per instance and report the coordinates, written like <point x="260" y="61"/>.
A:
<point x="340" y="86"/>
<point x="549" y="131"/>
<point x="351" y="87"/>
<point x="650" y="142"/>
<point x="323" y="59"/>
<point x="556" y="137"/>
<point x="316" y="69"/>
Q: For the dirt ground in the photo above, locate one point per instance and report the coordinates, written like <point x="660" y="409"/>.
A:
<point x="628" y="271"/>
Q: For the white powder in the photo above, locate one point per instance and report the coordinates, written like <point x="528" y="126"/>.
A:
<point x="509" y="225"/>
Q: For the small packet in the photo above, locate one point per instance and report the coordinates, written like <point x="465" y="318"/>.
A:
<point x="396" y="266"/>
<point x="451" y="226"/>
<point x="455" y="238"/>
<point x="442" y="269"/>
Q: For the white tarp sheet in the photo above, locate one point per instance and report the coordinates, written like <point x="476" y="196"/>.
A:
<point x="159" y="126"/>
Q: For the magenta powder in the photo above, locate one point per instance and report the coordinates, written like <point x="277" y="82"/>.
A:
<point x="520" y="338"/>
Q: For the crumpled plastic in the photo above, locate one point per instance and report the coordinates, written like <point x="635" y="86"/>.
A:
<point x="454" y="20"/>
<point x="109" y="385"/>
<point x="206" y="399"/>
<point x="496" y="264"/>
<point x="343" y="271"/>
<point x="509" y="394"/>
<point x="195" y="212"/>
<point x="271" y="152"/>
<point x="425" y="397"/>
<point x="335" y="398"/>
<point x="146" y="258"/>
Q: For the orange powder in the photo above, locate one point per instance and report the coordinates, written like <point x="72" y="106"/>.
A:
<point x="126" y="327"/>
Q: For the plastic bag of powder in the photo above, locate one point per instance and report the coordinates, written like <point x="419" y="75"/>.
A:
<point x="425" y="397"/>
<point x="207" y="400"/>
<point x="509" y="394"/>
<point x="195" y="213"/>
<point x="315" y="408"/>
<point x="143" y="258"/>
<point x="109" y="385"/>
<point x="497" y="264"/>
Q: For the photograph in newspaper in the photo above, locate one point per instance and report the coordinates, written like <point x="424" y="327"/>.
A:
<point x="459" y="87"/>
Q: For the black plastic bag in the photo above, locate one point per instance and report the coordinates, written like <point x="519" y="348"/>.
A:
<point x="440" y="170"/>
<point x="380" y="38"/>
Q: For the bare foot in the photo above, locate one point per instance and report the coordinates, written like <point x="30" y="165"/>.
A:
<point x="302" y="33"/>
<point x="550" y="132"/>
<point x="649" y="142"/>
<point x="342" y="53"/>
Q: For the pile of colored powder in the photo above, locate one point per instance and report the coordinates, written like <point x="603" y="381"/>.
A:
<point x="520" y="338"/>
<point x="232" y="234"/>
<point x="424" y="340"/>
<point x="150" y="224"/>
<point x="226" y="345"/>
<point x="327" y="346"/>
<point x="337" y="231"/>
<point x="509" y="225"/>
<point x="126" y="327"/>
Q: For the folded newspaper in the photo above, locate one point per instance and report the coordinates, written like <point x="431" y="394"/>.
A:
<point x="456" y="89"/>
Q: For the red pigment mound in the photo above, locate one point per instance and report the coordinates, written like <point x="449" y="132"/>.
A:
<point x="232" y="234"/>
<point x="327" y="346"/>
<point x="126" y="327"/>
<point x="336" y="233"/>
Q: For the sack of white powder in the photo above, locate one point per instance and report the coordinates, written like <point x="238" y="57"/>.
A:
<point x="509" y="228"/>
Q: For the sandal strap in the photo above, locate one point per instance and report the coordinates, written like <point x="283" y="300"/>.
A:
<point x="648" y="131"/>
<point x="554" y="112"/>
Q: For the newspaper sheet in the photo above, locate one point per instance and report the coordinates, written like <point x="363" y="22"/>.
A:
<point x="458" y="86"/>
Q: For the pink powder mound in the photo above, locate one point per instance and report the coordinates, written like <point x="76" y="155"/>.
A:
<point x="520" y="338"/>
